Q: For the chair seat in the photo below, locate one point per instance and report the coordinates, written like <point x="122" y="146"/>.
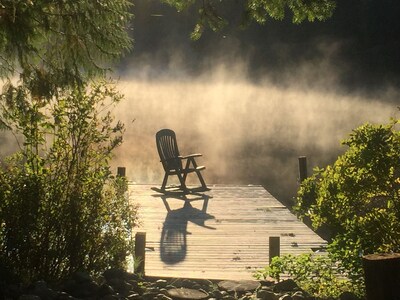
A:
<point x="189" y="170"/>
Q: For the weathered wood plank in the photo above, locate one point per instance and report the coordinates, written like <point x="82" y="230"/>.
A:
<point x="219" y="234"/>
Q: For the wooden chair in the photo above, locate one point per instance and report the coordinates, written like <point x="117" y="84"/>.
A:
<point x="173" y="162"/>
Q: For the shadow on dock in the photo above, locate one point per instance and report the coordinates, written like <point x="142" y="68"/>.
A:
<point x="173" y="243"/>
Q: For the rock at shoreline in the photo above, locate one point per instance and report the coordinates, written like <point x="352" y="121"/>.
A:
<point x="185" y="293"/>
<point x="241" y="286"/>
<point x="116" y="284"/>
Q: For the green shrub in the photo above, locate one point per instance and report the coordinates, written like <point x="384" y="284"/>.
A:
<point x="318" y="275"/>
<point x="358" y="197"/>
<point x="358" y="200"/>
<point x="61" y="210"/>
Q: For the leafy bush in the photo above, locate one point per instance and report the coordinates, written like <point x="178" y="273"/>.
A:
<point x="318" y="275"/>
<point x="358" y="200"/>
<point x="358" y="197"/>
<point x="61" y="209"/>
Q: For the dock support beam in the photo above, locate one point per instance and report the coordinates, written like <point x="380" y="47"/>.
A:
<point x="121" y="171"/>
<point x="140" y="252"/>
<point x="274" y="247"/>
<point x="302" y="168"/>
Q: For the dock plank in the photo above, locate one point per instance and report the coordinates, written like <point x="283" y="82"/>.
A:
<point x="219" y="234"/>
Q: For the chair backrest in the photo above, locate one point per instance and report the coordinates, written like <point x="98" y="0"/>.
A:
<point x="167" y="148"/>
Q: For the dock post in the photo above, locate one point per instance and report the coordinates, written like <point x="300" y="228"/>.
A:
<point x="274" y="247"/>
<point x="121" y="171"/>
<point x="382" y="275"/>
<point x="140" y="252"/>
<point x="302" y="168"/>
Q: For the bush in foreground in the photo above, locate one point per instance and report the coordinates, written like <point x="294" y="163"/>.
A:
<point x="61" y="209"/>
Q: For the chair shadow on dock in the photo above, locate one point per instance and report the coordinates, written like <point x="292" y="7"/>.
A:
<point x="173" y="243"/>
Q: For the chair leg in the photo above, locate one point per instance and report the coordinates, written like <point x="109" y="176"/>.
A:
<point x="182" y="180"/>
<point x="164" y="183"/>
<point x="186" y="168"/>
<point x="193" y="161"/>
<point x="203" y="183"/>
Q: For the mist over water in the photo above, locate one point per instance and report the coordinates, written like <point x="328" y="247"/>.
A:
<point x="248" y="132"/>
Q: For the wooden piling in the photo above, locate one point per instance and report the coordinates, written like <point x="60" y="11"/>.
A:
<point x="302" y="168"/>
<point x="121" y="171"/>
<point x="382" y="276"/>
<point x="274" y="247"/>
<point x="140" y="252"/>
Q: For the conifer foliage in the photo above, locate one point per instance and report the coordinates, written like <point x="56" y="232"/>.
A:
<point x="62" y="40"/>
<point x="210" y="13"/>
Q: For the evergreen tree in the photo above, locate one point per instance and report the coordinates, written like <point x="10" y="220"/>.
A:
<point x="210" y="12"/>
<point x="61" y="41"/>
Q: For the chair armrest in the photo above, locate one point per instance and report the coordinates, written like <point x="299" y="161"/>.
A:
<point x="191" y="156"/>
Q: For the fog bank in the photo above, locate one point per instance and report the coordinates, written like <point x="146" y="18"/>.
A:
<point x="248" y="133"/>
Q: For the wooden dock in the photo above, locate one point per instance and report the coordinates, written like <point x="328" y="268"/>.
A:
<point x="220" y="234"/>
